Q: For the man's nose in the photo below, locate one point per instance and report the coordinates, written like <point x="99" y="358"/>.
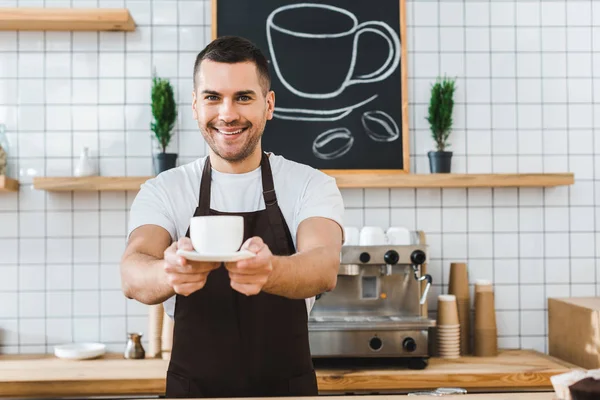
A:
<point x="228" y="111"/>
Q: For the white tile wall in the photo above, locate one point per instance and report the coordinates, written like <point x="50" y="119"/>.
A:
<point x="59" y="92"/>
<point x="526" y="102"/>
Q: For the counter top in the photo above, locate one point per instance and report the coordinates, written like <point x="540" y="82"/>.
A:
<point x="493" y="396"/>
<point x="46" y="375"/>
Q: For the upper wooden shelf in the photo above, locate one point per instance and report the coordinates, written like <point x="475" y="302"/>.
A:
<point x="344" y="180"/>
<point x="65" y="19"/>
<point x="8" y="184"/>
<point x="89" y="183"/>
<point x="393" y="179"/>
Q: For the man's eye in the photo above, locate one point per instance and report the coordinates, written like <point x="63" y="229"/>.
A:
<point x="212" y="98"/>
<point x="244" y="98"/>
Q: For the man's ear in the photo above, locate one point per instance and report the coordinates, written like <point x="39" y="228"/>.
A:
<point x="194" y="105"/>
<point x="270" y="104"/>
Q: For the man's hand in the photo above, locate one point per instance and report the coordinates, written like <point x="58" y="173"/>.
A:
<point x="184" y="276"/>
<point x="250" y="275"/>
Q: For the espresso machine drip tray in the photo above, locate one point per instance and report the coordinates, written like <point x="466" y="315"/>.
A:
<point x="363" y="322"/>
<point x="368" y="323"/>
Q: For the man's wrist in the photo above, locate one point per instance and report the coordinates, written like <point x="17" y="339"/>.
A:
<point x="276" y="266"/>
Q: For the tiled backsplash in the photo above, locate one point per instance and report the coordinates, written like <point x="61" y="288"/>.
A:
<point x="526" y="102"/>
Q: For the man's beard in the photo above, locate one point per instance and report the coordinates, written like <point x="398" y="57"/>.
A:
<point x="245" y="152"/>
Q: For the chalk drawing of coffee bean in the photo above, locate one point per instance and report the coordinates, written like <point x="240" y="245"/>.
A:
<point x="337" y="140"/>
<point x="380" y="126"/>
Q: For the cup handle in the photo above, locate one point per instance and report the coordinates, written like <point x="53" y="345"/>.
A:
<point x="387" y="33"/>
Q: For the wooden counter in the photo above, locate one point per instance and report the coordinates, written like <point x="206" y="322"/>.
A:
<point x="493" y="396"/>
<point x="45" y="375"/>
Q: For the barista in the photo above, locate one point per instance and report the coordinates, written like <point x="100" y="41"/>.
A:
<point x="240" y="328"/>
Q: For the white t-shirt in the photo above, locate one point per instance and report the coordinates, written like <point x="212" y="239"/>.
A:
<point x="170" y="199"/>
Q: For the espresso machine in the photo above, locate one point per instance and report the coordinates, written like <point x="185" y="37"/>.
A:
<point x="378" y="308"/>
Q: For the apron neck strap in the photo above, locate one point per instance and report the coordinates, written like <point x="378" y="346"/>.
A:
<point x="267" y="181"/>
<point x="204" y="199"/>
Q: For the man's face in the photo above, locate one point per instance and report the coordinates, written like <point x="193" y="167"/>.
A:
<point x="231" y="108"/>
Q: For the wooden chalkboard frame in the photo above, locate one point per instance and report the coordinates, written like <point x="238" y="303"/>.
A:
<point x="365" y="173"/>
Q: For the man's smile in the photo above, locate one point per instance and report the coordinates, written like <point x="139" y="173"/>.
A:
<point x="231" y="131"/>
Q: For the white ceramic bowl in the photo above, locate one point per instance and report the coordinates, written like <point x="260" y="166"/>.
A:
<point x="79" y="351"/>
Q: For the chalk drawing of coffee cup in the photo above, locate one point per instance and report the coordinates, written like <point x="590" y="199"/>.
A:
<point x="333" y="143"/>
<point x="323" y="40"/>
<point x="379" y="126"/>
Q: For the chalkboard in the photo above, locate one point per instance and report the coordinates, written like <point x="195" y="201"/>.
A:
<point x="338" y="70"/>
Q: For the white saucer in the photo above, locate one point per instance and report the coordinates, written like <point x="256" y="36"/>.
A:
<point x="223" y="257"/>
<point x="79" y="351"/>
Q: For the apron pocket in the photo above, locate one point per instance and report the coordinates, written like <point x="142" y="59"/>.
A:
<point x="178" y="386"/>
<point x="304" y="385"/>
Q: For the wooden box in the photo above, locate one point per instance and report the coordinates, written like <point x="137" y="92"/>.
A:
<point x="574" y="330"/>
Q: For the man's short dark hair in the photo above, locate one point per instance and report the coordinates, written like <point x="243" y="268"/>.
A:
<point x="235" y="49"/>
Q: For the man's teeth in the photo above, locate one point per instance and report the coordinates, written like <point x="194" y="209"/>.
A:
<point x="231" y="133"/>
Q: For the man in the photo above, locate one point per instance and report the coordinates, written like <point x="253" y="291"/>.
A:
<point x="240" y="328"/>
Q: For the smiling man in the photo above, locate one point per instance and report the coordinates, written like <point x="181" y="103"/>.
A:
<point x="240" y="328"/>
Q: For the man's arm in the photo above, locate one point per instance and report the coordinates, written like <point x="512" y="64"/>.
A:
<point x="143" y="276"/>
<point x="151" y="270"/>
<point x="312" y="270"/>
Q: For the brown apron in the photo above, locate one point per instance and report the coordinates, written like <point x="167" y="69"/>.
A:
<point x="227" y="344"/>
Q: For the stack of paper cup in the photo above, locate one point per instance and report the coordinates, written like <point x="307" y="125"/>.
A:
<point x="459" y="287"/>
<point x="486" y="333"/>
<point x="155" y="327"/>
<point x="448" y="327"/>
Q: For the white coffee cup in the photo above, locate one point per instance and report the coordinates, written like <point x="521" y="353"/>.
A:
<point x="398" y="235"/>
<point x="217" y="234"/>
<point x="372" y="236"/>
<point x="352" y="236"/>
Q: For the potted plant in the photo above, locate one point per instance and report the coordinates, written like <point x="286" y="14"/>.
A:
<point x="164" y="111"/>
<point x="441" y="105"/>
<point x="3" y="150"/>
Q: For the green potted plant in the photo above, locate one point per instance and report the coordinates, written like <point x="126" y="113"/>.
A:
<point x="441" y="105"/>
<point x="3" y="150"/>
<point x="164" y="111"/>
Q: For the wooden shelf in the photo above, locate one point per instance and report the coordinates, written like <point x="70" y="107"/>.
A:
<point x="65" y="19"/>
<point x="8" y="184"/>
<point x="393" y="179"/>
<point x="344" y="179"/>
<point x="89" y="183"/>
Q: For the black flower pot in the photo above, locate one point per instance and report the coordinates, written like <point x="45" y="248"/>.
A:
<point x="163" y="162"/>
<point x="440" y="162"/>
